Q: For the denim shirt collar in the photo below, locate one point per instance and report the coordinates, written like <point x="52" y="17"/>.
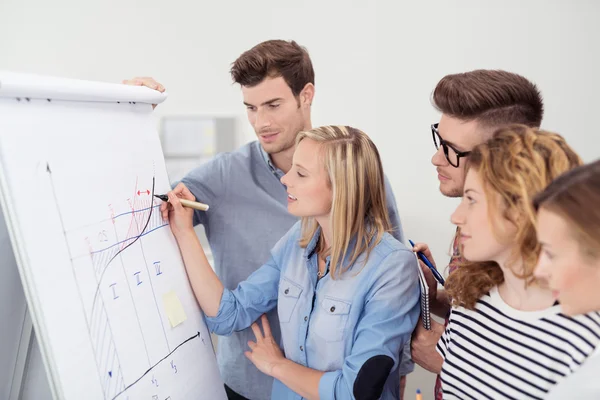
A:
<point x="276" y="171"/>
<point x="311" y="247"/>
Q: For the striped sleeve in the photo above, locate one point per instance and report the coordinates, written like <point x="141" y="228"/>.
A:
<point x="501" y="353"/>
<point x="444" y="343"/>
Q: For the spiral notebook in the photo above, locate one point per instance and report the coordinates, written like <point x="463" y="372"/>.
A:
<point x="425" y="312"/>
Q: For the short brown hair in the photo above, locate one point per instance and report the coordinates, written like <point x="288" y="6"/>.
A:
<point x="274" y="58"/>
<point x="517" y="163"/>
<point x="575" y="196"/>
<point x="491" y="97"/>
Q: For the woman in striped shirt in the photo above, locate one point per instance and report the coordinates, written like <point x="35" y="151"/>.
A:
<point x="507" y="338"/>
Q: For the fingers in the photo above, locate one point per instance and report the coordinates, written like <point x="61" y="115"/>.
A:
<point x="132" y="82"/>
<point x="265" y="326"/>
<point x="422" y="247"/>
<point x="145" y="81"/>
<point x="429" y="278"/>
<point x="183" y="192"/>
<point x="178" y="190"/>
<point x="257" y="333"/>
<point x="174" y="202"/>
<point x="164" y="210"/>
<point x="135" y="82"/>
<point x="248" y="354"/>
<point x="426" y="271"/>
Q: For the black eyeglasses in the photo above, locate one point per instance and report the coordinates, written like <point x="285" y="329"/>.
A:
<point x="452" y="155"/>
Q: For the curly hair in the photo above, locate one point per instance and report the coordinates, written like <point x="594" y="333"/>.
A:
<point x="516" y="163"/>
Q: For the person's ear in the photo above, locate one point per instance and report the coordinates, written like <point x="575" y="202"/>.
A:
<point x="307" y="95"/>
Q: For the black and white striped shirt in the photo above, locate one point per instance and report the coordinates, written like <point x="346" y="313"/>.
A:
<point x="498" y="352"/>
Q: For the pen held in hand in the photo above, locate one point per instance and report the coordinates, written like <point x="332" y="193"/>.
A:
<point x="438" y="277"/>
<point x="186" y="203"/>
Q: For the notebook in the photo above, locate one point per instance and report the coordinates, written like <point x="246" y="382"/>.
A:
<point x="425" y="313"/>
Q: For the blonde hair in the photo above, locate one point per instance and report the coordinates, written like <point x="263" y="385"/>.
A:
<point x="359" y="210"/>
<point x="516" y="164"/>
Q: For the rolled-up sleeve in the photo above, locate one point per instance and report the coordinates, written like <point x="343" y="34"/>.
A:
<point x="389" y="317"/>
<point x="253" y="297"/>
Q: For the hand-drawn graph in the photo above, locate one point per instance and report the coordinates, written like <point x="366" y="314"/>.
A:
<point x="121" y="280"/>
<point x="98" y="265"/>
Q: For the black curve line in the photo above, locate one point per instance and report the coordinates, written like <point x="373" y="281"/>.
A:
<point x="141" y="233"/>
<point x="152" y="367"/>
<point x="124" y="248"/>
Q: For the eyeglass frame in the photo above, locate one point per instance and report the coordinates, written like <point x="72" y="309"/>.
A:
<point x="445" y="145"/>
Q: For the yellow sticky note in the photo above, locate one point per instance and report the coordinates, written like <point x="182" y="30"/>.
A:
<point x="174" y="309"/>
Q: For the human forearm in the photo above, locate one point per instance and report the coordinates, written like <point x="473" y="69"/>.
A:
<point x="428" y="358"/>
<point x="402" y="386"/>
<point x="435" y="363"/>
<point x="207" y="287"/>
<point x="424" y="347"/>
<point x="441" y="305"/>
<point x="302" y="380"/>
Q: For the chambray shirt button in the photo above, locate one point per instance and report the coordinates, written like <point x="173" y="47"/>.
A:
<point x="332" y="309"/>
<point x="305" y="318"/>
<point x="286" y="291"/>
<point x="301" y="348"/>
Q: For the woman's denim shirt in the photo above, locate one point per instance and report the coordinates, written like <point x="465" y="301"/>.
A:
<point x="352" y="327"/>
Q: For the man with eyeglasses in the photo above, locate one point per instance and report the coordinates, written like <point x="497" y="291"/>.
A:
<point x="473" y="105"/>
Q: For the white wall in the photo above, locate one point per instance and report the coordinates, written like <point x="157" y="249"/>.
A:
<point x="376" y="65"/>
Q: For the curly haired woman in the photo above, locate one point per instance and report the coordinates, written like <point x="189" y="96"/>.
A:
<point x="507" y="337"/>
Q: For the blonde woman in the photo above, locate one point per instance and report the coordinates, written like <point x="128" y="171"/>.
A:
<point x="506" y="337"/>
<point x="568" y="229"/>
<point x="346" y="291"/>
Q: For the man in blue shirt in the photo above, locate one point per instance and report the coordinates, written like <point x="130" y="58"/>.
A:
<point x="248" y="204"/>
